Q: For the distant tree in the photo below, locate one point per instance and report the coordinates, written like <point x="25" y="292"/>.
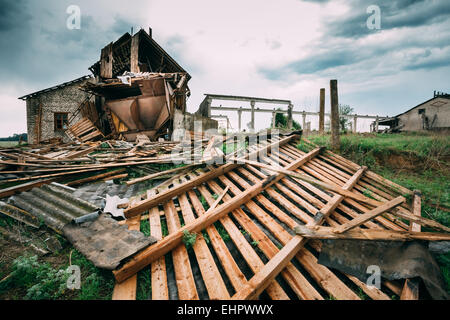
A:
<point x="281" y="122"/>
<point x="344" y="109"/>
<point x="16" y="137"/>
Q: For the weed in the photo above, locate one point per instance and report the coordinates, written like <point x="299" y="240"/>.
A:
<point x="39" y="280"/>
<point x="144" y="288"/>
<point x="164" y="229"/>
<point x="145" y="227"/>
<point x="189" y="239"/>
<point x="361" y="294"/>
<point x="222" y="232"/>
<point x="206" y="237"/>
<point x="204" y="203"/>
<point x="368" y="193"/>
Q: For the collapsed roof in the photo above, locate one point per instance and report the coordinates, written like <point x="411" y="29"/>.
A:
<point x="137" y="53"/>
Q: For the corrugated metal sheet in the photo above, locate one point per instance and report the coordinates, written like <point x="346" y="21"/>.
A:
<point x="52" y="204"/>
<point x="96" y="192"/>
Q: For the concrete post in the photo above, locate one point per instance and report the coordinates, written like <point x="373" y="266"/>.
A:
<point x="240" y="119"/>
<point x="322" y="111"/>
<point x="304" y="120"/>
<point x="335" y="138"/>
<point x="252" y="123"/>
<point x="355" y="120"/>
<point x="274" y="118"/>
<point x="209" y="102"/>
<point x="376" y="124"/>
<point x="308" y="128"/>
<point x="289" y="120"/>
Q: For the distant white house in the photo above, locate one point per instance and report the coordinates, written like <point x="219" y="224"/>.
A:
<point x="433" y="114"/>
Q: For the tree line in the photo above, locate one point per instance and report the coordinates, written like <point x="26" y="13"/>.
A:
<point x="16" y="137"/>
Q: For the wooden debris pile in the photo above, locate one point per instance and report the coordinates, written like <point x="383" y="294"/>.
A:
<point x="247" y="228"/>
<point x="245" y="216"/>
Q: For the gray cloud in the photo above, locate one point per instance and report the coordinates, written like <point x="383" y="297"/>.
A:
<point x="335" y="51"/>
<point x="38" y="50"/>
<point x="394" y="14"/>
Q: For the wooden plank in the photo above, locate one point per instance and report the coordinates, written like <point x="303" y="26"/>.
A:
<point x="369" y="234"/>
<point x="232" y="270"/>
<point x="331" y="187"/>
<point x="211" y="276"/>
<point x="160" y="291"/>
<point x="94" y="178"/>
<point x="23" y="187"/>
<point x="158" y="174"/>
<point x="294" y="278"/>
<point x="282" y="216"/>
<point x="148" y="255"/>
<point x="183" y="272"/>
<point x="255" y="263"/>
<point x="134" y="54"/>
<point x="356" y="222"/>
<point x="182" y="188"/>
<point x="410" y="289"/>
<point x="257" y="284"/>
<point x="127" y="289"/>
<point x="325" y="278"/>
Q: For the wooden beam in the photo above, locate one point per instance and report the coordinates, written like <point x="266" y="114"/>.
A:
<point x="127" y="289"/>
<point x="134" y="54"/>
<point x="188" y="185"/>
<point x="410" y="289"/>
<point x="158" y="174"/>
<point x="304" y="177"/>
<point x="94" y="178"/>
<point x="368" y="234"/>
<point x="147" y="256"/>
<point x="216" y="203"/>
<point x="259" y="281"/>
<point x="361" y="219"/>
<point x="335" y="133"/>
<point x="23" y="187"/>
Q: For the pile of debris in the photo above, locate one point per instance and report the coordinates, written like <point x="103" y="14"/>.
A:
<point x="237" y="217"/>
<point x="270" y="221"/>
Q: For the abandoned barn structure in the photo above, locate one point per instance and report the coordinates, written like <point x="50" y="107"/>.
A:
<point x="136" y="87"/>
<point x="49" y="110"/>
<point x="433" y="114"/>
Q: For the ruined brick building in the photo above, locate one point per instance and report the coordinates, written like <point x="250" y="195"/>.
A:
<point x="49" y="110"/>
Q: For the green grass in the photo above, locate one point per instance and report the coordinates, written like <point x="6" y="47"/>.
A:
<point x="365" y="148"/>
<point x="38" y="279"/>
<point x="189" y="239"/>
<point x="8" y="144"/>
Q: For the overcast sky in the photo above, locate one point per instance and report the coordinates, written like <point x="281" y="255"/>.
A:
<point x="286" y="49"/>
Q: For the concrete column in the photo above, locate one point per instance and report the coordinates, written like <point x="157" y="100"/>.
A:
<point x="335" y="138"/>
<point x="304" y="120"/>
<point x="274" y="117"/>
<point x="240" y="119"/>
<point x="209" y="102"/>
<point x="289" y="120"/>
<point x="376" y="124"/>
<point x="355" y="120"/>
<point x="322" y="112"/>
<point x="252" y="123"/>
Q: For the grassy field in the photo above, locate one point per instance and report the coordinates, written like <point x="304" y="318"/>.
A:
<point x="8" y="144"/>
<point x="415" y="161"/>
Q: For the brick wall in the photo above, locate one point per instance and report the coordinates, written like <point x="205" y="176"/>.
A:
<point x="66" y="99"/>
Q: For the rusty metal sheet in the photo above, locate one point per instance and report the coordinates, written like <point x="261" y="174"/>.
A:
<point x="105" y="242"/>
